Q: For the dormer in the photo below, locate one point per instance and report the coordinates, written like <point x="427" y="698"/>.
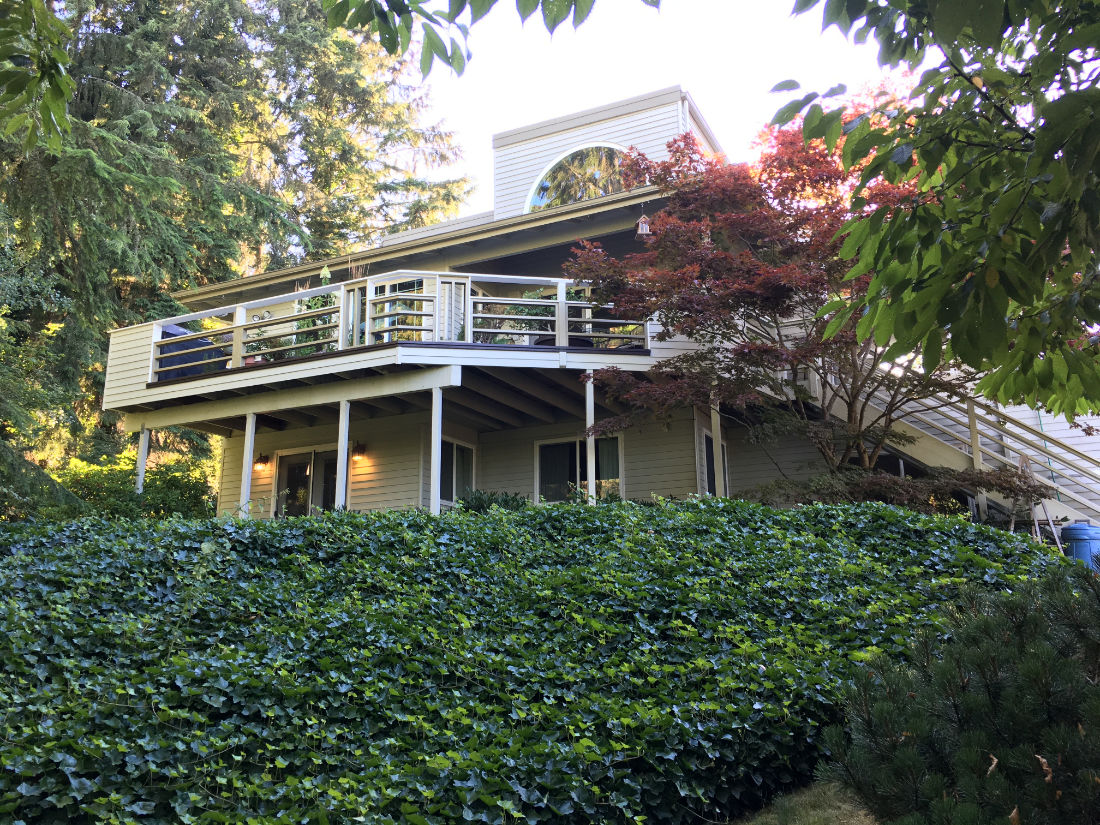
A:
<point x="576" y="157"/>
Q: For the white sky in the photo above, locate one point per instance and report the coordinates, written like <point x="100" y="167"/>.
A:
<point x="727" y="54"/>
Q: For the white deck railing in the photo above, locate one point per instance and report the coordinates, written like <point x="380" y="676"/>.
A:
<point x="396" y="307"/>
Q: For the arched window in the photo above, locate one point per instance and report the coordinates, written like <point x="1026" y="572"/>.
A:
<point x="588" y="172"/>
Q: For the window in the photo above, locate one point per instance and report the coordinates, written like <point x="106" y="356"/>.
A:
<point x="563" y="467"/>
<point x="456" y="478"/>
<point x="305" y="483"/>
<point x="585" y="173"/>
<point x="397" y="315"/>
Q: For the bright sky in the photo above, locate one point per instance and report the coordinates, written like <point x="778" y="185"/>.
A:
<point x="727" y="54"/>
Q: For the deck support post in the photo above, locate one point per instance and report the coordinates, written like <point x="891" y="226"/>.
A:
<point x="589" y="438"/>
<point x="561" y="317"/>
<point x="142" y="459"/>
<point x="976" y="459"/>
<point x="245" y="506"/>
<point x="340" y="501"/>
<point x="716" y="450"/>
<point x="436" y="451"/>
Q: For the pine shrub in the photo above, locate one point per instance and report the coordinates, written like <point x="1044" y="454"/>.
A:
<point x="997" y="722"/>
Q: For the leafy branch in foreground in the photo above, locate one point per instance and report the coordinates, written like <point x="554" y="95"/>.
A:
<point x="445" y="26"/>
<point x="995" y="260"/>
<point x="34" y="84"/>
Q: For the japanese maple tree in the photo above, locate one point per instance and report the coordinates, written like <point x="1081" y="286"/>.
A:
<point x="741" y="262"/>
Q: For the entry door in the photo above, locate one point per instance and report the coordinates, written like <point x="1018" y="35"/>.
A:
<point x="306" y="483"/>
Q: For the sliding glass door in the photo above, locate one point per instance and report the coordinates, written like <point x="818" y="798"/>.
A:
<point x="305" y="483"/>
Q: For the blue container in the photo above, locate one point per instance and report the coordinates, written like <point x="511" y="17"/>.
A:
<point x="1082" y="541"/>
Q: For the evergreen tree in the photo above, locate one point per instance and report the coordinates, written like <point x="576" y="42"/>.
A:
<point x="209" y="138"/>
<point x="997" y="724"/>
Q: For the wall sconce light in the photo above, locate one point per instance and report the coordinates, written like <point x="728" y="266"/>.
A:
<point x="641" y="228"/>
<point x="359" y="451"/>
<point x="261" y="463"/>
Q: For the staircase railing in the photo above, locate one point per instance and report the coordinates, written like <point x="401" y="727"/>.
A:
<point x="993" y="438"/>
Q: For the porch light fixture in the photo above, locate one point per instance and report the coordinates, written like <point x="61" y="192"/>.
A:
<point x="641" y="228"/>
<point x="359" y="451"/>
<point x="261" y="463"/>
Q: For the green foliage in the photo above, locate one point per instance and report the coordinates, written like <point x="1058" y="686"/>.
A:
<point x="392" y="21"/>
<point x="1000" y="723"/>
<point x="555" y="664"/>
<point x="25" y="489"/>
<point x="172" y="488"/>
<point x="941" y="490"/>
<point x="995" y="261"/>
<point x="208" y="138"/>
<point x="34" y="85"/>
<point x="481" y="501"/>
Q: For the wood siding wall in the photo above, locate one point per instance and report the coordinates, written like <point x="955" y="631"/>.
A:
<point x="657" y="460"/>
<point x="386" y="478"/>
<point x="752" y="464"/>
<point x="129" y="361"/>
<point x="517" y="166"/>
<point x="1057" y="427"/>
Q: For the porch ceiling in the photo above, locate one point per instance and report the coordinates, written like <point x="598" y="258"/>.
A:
<point x="488" y="399"/>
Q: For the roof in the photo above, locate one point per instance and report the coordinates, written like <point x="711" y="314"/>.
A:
<point x="575" y="120"/>
<point x="472" y="230"/>
<point x="482" y="226"/>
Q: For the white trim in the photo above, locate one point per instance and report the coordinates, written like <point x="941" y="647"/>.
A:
<point x="435" y="446"/>
<point x="559" y="159"/>
<point x="244" y="503"/>
<point x="587" y="117"/>
<point x="340" y="500"/>
<point x="589" y="439"/>
<point x="142" y="460"/>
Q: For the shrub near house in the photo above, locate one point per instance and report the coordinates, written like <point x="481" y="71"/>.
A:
<point x="562" y="663"/>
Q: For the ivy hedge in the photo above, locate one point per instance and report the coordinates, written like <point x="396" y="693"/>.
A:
<point x="561" y="664"/>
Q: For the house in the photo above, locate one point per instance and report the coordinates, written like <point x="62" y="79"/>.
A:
<point x="452" y="358"/>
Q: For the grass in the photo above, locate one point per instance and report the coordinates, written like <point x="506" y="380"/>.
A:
<point x="824" y="803"/>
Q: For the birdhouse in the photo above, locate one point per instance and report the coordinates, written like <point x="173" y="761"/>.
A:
<point x="641" y="228"/>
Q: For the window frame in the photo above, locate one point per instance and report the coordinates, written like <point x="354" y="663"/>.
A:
<point x="277" y="456"/>
<point x="457" y="442"/>
<point x="723" y="456"/>
<point x="579" y="443"/>
<point x="597" y="144"/>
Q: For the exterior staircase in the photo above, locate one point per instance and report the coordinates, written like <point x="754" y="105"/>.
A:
<point x="965" y="434"/>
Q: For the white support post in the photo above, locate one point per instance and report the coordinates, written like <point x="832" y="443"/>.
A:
<point x="976" y="460"/>
<point x="436" y="449"/>
<point x="561" y="317"/>
<point x="469" y="313"/>
<point x="589" y="439"/>
<point x="340" y="501"/>
<point x="245" y="507"/>
<point x="716" y="448"/>
<point x="240" y="318"/>
<point x="142" y="459"/>
<point x="342" y="325"/>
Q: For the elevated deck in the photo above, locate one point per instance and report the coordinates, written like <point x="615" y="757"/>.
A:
<point x="372" y="325"/>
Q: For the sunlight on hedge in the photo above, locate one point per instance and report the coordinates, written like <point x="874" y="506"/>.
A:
<point x="559" y="664"/>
